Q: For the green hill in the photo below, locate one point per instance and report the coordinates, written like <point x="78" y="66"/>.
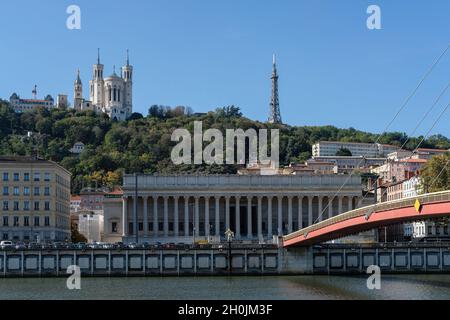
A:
<point x="143" y="144"/>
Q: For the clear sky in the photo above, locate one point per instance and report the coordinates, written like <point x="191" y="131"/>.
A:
<point x="210" y="53"/>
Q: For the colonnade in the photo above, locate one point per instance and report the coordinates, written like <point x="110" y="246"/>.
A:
<point x="249" y="216"/>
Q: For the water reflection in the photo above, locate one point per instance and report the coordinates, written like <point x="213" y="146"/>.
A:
<point x="235" y="288"/>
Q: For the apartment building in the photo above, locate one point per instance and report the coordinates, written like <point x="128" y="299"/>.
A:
<point x="34" y="199"/>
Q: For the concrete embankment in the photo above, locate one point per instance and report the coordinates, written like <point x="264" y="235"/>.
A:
<point x="258" y="261"/>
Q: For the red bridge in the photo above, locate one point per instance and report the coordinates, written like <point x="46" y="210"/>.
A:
<point x="426" y="206"/>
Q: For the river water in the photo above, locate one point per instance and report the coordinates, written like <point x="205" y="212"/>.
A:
<point x="235" y="288"/>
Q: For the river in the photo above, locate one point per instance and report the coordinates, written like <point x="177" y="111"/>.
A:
<point x="234" y="288"/>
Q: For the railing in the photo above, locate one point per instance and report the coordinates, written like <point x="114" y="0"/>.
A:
<point x="379" y="207"/>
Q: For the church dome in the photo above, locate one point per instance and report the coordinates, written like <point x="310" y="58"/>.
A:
<point x="49" y="98"/>
<point x="14" y="96"/>
<point x="114" y="75"/>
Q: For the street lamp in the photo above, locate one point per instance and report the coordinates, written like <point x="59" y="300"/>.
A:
<point x="229" y="235"/>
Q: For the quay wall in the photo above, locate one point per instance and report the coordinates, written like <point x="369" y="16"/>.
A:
<point x="208" y="262"/>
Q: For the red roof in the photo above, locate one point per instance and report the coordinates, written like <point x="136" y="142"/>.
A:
<point x="75" y="198"/>
<point x="414" y="160"/>
<point x="116" y="191"/>
<point x="432" y="150"/>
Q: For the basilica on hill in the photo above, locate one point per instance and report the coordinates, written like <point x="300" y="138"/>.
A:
<point x="112" y="95"/>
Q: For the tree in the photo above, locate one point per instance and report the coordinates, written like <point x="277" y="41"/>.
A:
<point x="435" y="175"/>
<point x="344" y="152"/>
<point x="75" y="235"/>
<point x="136" y="116"/>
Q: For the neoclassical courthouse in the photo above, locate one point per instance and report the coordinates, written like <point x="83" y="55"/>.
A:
<point x="255" y="207"/>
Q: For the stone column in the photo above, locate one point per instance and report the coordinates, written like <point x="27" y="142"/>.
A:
<point x="280" y="215"/>
<point x="155" y="217"/>
<point x="227" y="212"/>
<point x="166" y="217"/>
<point x="330" y="207"/>
<point x="360" y="200"/>
<point x="217" y="216"/>
<point x="249" y="217"/>
<point x="319" y="214"/>
<point x="310" y="212"/>
<point x="260" y="232"/>
<point x="238" y="217"/>
<point x="207" y="216"/>
<point x="124" y="217"/>
<point x="289" y="214"/>
<point x="145" y="200"/>
<point x="186" y="216"/>
<point x="350" y="203"/>
<point x="176" y="220"/>
<point x="300" y="212"/>
<point x="197" y="217"/>
<point x="135" y="217"/>
<point x="269" y="217"/>
<point x="340" y="205"/>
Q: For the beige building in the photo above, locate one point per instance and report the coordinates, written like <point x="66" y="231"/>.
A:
<point x="22" y="105"/>
<point x="112" y="220"/>
<point x="34" y="199"/>
<point x="255" y="207"/>
<point x="370" y="150"/>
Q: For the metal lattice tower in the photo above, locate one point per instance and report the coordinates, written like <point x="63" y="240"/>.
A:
<point x="275" y="114"/>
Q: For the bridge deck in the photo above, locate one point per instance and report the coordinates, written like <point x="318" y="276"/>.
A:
<point x="365" y="218"/>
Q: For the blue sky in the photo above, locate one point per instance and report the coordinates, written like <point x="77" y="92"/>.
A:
<point x="211" y="53"/>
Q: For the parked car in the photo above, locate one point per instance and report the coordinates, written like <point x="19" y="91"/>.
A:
<point x="6" y="244"/>
<point x="132" y="245"/>
<point x="20" y="246"/>
<point x="34" y="245"/>
<point x="80" y="245"/>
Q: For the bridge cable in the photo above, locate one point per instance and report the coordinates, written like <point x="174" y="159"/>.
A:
<point x="424" y="137"/>
<point x="426" y="75"/>
<point x="442" y="171"/>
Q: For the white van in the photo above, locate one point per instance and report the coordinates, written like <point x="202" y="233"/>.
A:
<point x="6" y="244"/>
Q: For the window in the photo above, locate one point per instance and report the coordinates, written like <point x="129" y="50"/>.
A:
<point x="26" y="205"/>
<point x="26" y="221"/>
<point x="16" y="191"/>
<point x="130" y="228"/>
<point x="26" y="191"/>
<point x="430" y="231"/>
<point x="36" y="205"/>
<point x="5" y="176"/>
<point x="114" y="227"/>
<point x="438" y="230"/>
<point x="46" y="176"/>
<point x="5" y="236"/>
<point x="16" y="221"/>
<point x="5" y="191"/>
<point x="5" y="221"/>
<point x="5" y="205"/>
<point x="47" y="191"/>
<point x="36" y="221"/>
<point x="36" y="191"/>
<point x="47" y="206"/>
<point x="141" y="226"/>
<point x="37" y="176"/>
<point x="16" y="176"/>
<point x="26" y="176"/>
<point x="47" y="221"/>
<point x="16" y="206"/>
